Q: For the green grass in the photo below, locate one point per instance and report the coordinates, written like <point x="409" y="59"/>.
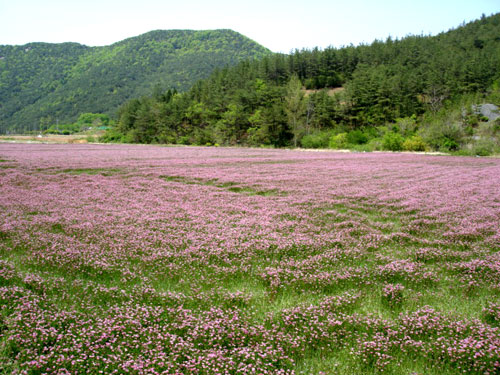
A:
<point x="231" y="186"/>
<point x="93" y="171"/>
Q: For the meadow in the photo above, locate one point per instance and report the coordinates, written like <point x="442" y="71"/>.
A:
<point x="121" y="259"/>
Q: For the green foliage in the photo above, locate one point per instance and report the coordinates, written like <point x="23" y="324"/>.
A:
<point x="407" y="126"/>
<point x="392" y="141"/>
<point x="112" y="136"/>
<point x="414" y="143"/>
<point x="63" y="129"/>
<point x="444" y="131"/>
<point x="317" y="139"/>
<point x="93" y="119"/>
<point x="356" y="137"/>
<point x="487" y="139"/>
<point x="407" y="94"/>
<point x="494" y="93"/>
<point x="258" y="133"/>
<point x="63" y="80"/>
<point x="338" y="141"/>
<point x="374" y="144"/>
<point x="484" y="147"/>
<point x="295" y="106"/>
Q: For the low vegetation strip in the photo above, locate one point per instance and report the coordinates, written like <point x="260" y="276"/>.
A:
<point x="228" y="185"/>
<point x="244" y="261"/>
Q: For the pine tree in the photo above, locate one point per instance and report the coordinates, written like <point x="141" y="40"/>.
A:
<point x="295" y="107"/>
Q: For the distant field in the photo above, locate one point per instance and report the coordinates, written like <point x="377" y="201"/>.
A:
<point x="53" y="138"/>
<point x="150" y="260"/>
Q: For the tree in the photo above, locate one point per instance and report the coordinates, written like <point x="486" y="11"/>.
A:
<point x="257" y="133"/>
<point x="295" y="107"/>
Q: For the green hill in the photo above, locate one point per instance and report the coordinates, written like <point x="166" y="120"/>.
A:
<point x="415" y="93"/>
<point x="50" y="82"/>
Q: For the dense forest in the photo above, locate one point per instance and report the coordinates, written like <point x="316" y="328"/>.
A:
<point x="41" y="83"/>
<point x="417" y="93"/>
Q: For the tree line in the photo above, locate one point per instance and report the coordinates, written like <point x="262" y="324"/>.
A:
<point x="417" y="91"/>
<point x="44" y="83"/>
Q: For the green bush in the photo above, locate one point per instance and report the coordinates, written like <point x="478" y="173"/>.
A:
<point x="392" y="141"/>
<point x="448" y="144"/>
<point x="415" y="143"/>
<point x="375" y="144"/>
<point x="93" y="119"/>
<point x="356" y="137"/>
<point x="318" y="139"/>
<point x="472" y="120"/>
<point x="484" y="146"/>
<point x="407" y="126"/>
<point x="166" y="138"/>
<point x="112" y="136"/>
<point x="496" y="125"/>
<point x="367" y="147"/>
<point x="183" y="140"/>
<point x="444" y="130"/>
<point x="338" y="141"/>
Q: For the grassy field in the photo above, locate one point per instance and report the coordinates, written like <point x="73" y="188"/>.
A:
<point x="163" y="260"/>
<point x="87" y="137"/>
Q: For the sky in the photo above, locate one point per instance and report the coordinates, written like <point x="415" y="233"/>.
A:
<point x="280" y="25"/>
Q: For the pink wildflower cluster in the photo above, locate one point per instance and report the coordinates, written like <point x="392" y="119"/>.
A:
<point x="492" y="313"/>
<point x="150" y="260"/>
<point x="406" y="270"/>
<point x="393" y="294"/>
<point x="485" y="270"/>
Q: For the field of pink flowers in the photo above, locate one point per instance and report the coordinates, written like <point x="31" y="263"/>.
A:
<point x="120" y="259"/>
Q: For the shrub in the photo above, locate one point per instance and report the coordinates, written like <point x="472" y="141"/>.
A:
<point x="472" y="120"/>
<point x="392" y="141"/>
<point x="112" y="136"/>
<point x="375" y="144"/>
<point x="356" y="137"/>
<point x="415" y="143"/>
<point x="444" y="134"/>
<point x="407" y="125"/>
<point x="338" y="141"/>
<point x="200" y="137"/>
<point x="367" y="147"/>
<point x="318" y="139"/>
<point x="183" y="140"/>
<point x="483" y="147"/>
<point x="166" y="138"/>
<point x="496" y="125"/>
<point x="448" y="144"/>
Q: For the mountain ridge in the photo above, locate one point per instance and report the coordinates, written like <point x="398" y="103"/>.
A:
<point x="48" y="82"/>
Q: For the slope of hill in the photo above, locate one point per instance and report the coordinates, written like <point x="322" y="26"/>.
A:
<point x="49" y="82"/>
<point x="419" y="89"/>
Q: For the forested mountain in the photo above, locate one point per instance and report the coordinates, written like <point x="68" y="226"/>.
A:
<point x="420" y="89"/>
<point x="56" y="82"/>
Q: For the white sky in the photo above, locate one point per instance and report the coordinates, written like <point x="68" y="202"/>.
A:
<point x="280" y="25"/>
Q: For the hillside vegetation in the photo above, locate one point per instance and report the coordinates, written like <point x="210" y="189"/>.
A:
<point x="41" y="83"/>
<point x="417" y="93"/>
